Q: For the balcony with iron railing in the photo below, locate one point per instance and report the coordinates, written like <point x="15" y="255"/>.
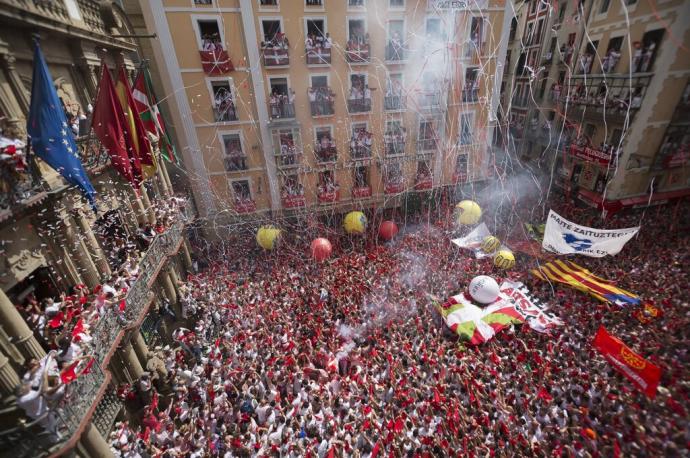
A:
<point x="47" y="434"/>
<point x="281" y="109"/>
<point x="289" y="159"/>
<point x="360" y="152"/>
<point x="394" y="186"/>
<point x="394" y="147"/>
<point x="275" y="56"/>
<point x="318" y="56"/>
<point x="244" y="205"/>
<point x="470" y="94"/>
<point x="395" y="52"/>
<point x="325" y="154"/>
<point x="323" y="103"/>
<point x="426" y="145"/>
<point x="328" y="194"/>
<point x="359" y="105"/>
<point x="225" y="113"/>
<point x="357" y="53"/>
<point x="424" y="182"/>
<point x="21" y="183"/>
<point x="361" y="192"/>
<point x="605" y="98"/>
<point x="429" y="99"/>
<point x="394" y="102"/>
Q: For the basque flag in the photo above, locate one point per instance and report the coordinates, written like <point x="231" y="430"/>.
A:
<point x="51" y="138"/>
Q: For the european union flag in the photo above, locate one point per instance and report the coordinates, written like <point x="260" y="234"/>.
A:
<point x="51" y="138"/>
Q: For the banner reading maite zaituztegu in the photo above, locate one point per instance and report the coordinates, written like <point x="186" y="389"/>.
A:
<point x="566" y="237"/>
<point x="644" y="375"/>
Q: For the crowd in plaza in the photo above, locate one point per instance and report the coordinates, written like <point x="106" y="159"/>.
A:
<point x="283" y="356"/>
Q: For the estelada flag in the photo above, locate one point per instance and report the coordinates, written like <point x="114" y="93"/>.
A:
<point x="643" y="374"/>
<point x="578" y="277"/>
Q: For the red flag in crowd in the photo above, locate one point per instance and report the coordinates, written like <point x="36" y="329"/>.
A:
<point x="641" y="372"/>
<point x="109" y="126"/>
<point x="647" y="314"/>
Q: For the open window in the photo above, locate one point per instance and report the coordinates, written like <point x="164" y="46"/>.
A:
<point x="395" y="48"/>
<point x="271" y="29"/>
<point x="466" y="126"/>
<point x="394" y="180"/>
<point x="235" y="159"/>
<point x="645" y="52"/>
<point x="324" y="145"/>
<point x="224" y="109"/>
<point x="461" y="172"/>
<point x="282" y="99"/>
<point x="394" y="98"/>
<point x="357" y="48"/>
<point x="292" y="191"/>
<point x="423" y="178"/>
<point x="470" y="91"/>
<point x="427" y="136"/>
<point x="243" y="196"/>
<point x="318" y="43"/>
<point x="359" y="100"/>
<point x="209" y="34"/>
<point x="288" y="147"/>
<point x="361" y="141"/>
<point x="395" y="137"/>
<point x="313" y="2"/>
<point x="476" y="38"/>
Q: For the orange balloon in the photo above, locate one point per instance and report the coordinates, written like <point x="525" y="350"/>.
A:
<point x="388" y="230"/>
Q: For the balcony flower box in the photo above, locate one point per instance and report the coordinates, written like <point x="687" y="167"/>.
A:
<point x="293" y="201"/>
<point x="361" y="193"/>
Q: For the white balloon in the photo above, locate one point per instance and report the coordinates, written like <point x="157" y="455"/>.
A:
<point x="484" y="289"/>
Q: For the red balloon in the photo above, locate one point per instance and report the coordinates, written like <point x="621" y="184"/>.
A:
<point x="388" y="230"/>
<point x="321" y="249"/>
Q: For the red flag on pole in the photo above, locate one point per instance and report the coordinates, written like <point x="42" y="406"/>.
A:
<point x="134" y="128"/>
<point x="108" y="125"/>
<point x="643" y="374"/>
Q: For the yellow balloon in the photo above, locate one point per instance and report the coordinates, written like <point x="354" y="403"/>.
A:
<point x="355" y="223"/>
<point x="504" y="259"/>
<point x="490" y="244"/>
<point x="469" y="212"/>
<point x="266" y="237"/>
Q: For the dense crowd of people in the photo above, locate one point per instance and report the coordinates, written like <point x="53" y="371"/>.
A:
<point x="284" y="357"/>
<point x="277" y="355"/>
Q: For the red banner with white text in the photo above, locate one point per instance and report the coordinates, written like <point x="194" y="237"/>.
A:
<point x="644" y="375"/>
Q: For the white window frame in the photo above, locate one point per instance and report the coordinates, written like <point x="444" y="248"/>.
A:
<point x="473" y="119"/>
<point x="209" y="85"/>
<point x="311" y="75"/>
<point x="330" y="127"/>
<point x="314" y="18"/>
<point x="397" y="8"/>
<point x="208" y="17"/>
<point x="355" y="18"/>
<point x="404" y="28"/>
<point x="352" y="128"/>
<point x="270" y="18"/>
<point x="285" y="76"/>
<point x="268" y="7"/>
<point x="242" y="178"/>
<point x="389" y="79"/>
<point x="356" y="8"/>
<point x="222" y="133"/>
<point x="321" y="7"/>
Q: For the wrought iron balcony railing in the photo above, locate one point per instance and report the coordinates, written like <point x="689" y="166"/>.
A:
<point x="20" y="182"/>
<point x="394" y="102"/>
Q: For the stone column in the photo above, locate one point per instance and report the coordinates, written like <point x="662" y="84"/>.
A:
<point x="130" y="361"/>
<point x="186" y="256"/>
<point x="98" y="255"/>
<point x="150" y="212"/>
<point x="16" y="328"/>
<point x="139" y="210"/>
<point x="87" y="268"/>
<point x="8" y="377"/>
<point x="7" y="61"/>
<point x="168" y="287"/>
<point x="166" y="177"/>
<point x="94" y="443"/>
<point x="140" y="347"/>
